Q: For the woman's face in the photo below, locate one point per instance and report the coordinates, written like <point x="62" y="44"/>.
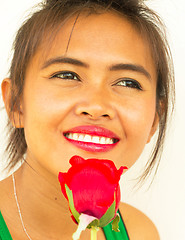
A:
<point x="93" y="96"/>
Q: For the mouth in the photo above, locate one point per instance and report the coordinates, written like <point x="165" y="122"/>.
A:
<point x="92" y="138"/>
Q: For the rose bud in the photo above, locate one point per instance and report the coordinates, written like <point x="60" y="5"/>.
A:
<point x="92" y="189"/>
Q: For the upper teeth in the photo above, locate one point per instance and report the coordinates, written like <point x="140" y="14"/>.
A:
<point x="89" y="138"/>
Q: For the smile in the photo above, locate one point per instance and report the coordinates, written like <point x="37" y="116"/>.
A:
<point x="89" y="138"/>
<point x="92" y="138"/>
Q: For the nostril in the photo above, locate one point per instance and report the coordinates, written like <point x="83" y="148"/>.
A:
<point x="90" y="115"/>
<point x="105" y="115"/>
<point x="85" y="113"/>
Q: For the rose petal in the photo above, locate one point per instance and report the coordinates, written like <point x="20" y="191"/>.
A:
<point x="94" y="184"/>
<point x="76" y="160"/>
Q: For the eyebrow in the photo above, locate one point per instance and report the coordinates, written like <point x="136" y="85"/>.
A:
<point x="114" y="67"/>
<point x="131" y="67"/>
<point x="68" y="60"/>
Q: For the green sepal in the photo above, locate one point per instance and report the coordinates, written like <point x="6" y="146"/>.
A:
<point x="108" y="216"/>
<point x="94" y="223"/>
<point x="115" y="223"/>
<point x="71" y="203"/>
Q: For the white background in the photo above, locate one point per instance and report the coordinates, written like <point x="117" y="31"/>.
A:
<point x="164" y="202"/>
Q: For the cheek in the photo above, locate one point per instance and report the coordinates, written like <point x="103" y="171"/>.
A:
<point x="137" y="120"/>
<point x="138" y="114"/>
<point x="141" y="120"/>
<point x="43" y="114"/>
<point x="45" y="105"/>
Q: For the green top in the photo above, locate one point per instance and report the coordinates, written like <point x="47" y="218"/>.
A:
<point x="4" y="232"/>
<point x="109" y="234"/>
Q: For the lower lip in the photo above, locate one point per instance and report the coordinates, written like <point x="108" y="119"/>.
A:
<point x="92" y="147"/>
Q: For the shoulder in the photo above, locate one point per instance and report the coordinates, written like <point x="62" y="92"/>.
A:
<point x="138" y="225"/>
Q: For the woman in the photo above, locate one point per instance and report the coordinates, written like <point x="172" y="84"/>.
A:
<point x="81" y="69"/>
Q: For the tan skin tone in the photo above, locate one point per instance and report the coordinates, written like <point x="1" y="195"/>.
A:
<point x="120" y="100"/>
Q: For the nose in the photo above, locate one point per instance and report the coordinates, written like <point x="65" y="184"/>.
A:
<point x="95" y="106"/>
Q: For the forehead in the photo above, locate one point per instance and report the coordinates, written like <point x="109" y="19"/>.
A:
<point x="101" y="37"/>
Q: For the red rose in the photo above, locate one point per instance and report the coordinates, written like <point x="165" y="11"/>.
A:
<point x="92" y="188"/>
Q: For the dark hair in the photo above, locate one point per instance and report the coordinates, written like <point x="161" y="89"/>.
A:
<point x="49" y="17"/>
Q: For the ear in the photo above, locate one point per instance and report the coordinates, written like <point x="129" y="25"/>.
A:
<point x="15" y="115"/>
<point x="154" y="127"/>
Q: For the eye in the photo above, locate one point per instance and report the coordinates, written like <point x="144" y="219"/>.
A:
<point x="66" y="75"/>
<point x="129" y="83"/>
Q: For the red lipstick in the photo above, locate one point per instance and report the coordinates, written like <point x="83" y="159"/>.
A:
<point x="92" y="138"/>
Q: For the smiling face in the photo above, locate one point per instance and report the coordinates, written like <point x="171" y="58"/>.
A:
<point x="98" y="99"/>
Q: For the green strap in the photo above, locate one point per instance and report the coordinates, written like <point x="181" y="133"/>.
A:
<point x="112" y="235"/>
<point x="4" y="232"/>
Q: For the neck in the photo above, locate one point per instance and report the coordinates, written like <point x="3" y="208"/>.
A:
<point x="42" y="204"/>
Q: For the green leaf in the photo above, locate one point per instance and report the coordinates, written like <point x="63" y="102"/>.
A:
<point x="71" y="203"/>
<point x="106" y="218"/>
<point x="115" y="223"/>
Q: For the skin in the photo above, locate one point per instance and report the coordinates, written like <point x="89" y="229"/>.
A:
<point x="51" y="105"/>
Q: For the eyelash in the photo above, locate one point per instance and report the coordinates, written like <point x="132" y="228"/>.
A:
<point x="128" y="82"/>
<point x="66" y="75"/>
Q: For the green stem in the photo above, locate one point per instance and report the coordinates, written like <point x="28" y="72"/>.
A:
<point x="94" y="231"/>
